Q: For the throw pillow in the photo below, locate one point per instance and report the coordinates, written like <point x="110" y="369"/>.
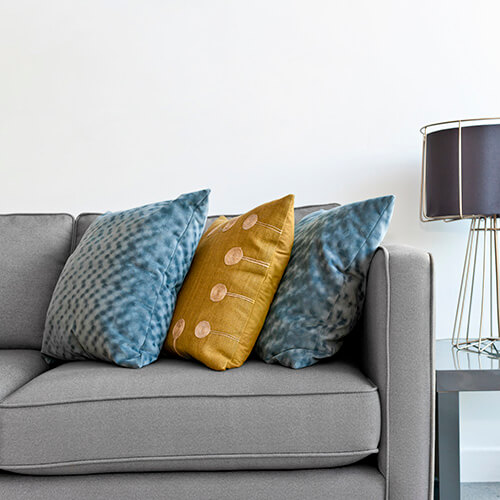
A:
<point x="116" y="294"/>
<point x="226" y="295"/>
<point x="321" y="295"/>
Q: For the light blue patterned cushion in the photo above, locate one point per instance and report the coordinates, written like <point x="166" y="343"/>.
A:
<point x="321" y="294"/>
<point x="116" y="294"/>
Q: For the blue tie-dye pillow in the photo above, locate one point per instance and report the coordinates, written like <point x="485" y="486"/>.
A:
<point x="116" y="294"/>
<point x="321" y="294"/>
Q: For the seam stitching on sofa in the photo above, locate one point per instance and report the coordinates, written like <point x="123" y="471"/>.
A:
<point x="4" y="405"/>
<point x="73" y="240"/>
<point x="368" y="235"/>
<point x="191" y="457"/>
<point x="432" y="377"/>
<point x="388" y="374"/>
<point x="22" y="385"/>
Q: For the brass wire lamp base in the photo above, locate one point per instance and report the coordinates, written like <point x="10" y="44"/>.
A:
<point x="479" y="296"/>
<point x="460" y="179"/>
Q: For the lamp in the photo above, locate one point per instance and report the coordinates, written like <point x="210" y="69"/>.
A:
<point x="461" y="180"/>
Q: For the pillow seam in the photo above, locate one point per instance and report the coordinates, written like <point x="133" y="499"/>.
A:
<point x="368" y="236"/>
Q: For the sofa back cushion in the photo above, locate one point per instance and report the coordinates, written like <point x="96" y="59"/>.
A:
<point x="33" y="251"/>
<point x="84" y="220"/>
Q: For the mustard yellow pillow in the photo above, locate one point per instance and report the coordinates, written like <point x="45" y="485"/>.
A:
<point x="234" y="275"/>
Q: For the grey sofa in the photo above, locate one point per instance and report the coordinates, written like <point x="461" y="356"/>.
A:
<point x="359" y="426"/>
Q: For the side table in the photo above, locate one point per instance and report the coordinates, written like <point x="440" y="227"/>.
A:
<point x="456" y="371"/>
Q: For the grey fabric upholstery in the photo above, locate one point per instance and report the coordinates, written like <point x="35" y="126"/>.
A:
<point x="18" y="367"/>
<point x="356" y="482"/>
<point x="398" y="356"/>
<point x="178" y="415"/>
<point x="84" y="220"/>
<point x="301" y="212"/>
<point x="33" y="251"/>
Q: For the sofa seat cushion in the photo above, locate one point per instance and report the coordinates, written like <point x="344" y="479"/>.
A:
<point x="88" y="417"/>
<point x="18" y="367"/>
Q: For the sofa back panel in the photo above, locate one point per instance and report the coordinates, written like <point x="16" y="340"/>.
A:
<point x="84" y="220"/>
<point x="300" y="212"/>
<point x="33" y="251"/>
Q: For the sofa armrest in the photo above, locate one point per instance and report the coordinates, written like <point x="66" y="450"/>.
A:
<point x="398" y="355"/>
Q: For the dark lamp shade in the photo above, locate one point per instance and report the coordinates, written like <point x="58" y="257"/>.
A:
<point x="480" y="172"/>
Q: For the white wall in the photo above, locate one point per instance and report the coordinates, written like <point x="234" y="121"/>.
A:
<point x="109" y="104"/>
